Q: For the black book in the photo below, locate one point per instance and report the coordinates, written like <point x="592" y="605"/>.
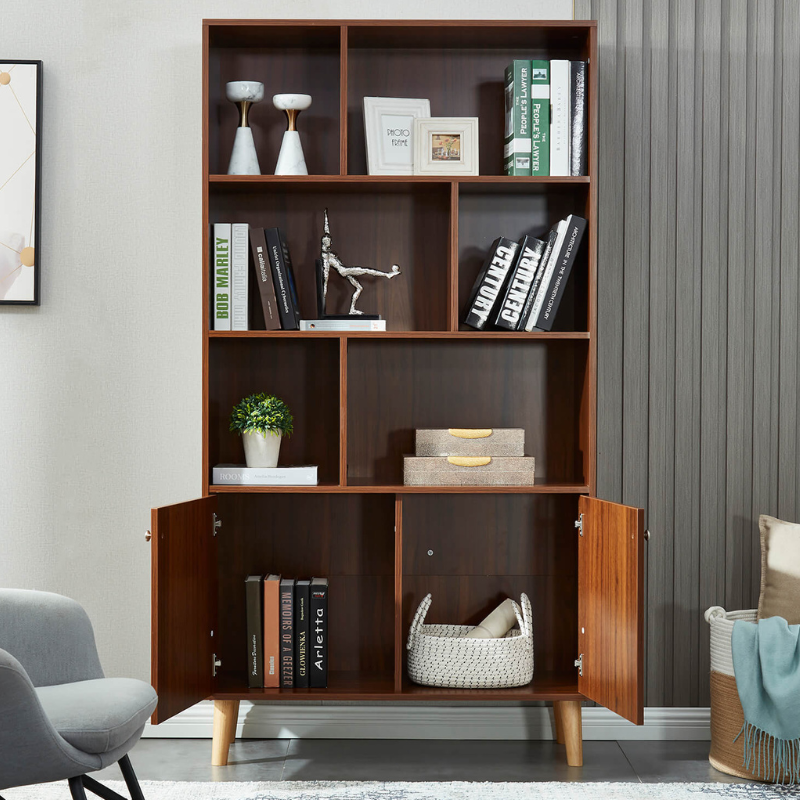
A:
<point x="318" y="664"/>
<point x="565" y="258"/>
<point x="490" y="282"/>
<point x="537" y="279"/>
<point x="578" y="115"/>
<point x="283" y="278"/>
<point x="287" y="633"/>
<point x="302" y="611"/>
<point x="519" y="284"/>
<point x="269" y="304"/>
<point x="255" y="627"/>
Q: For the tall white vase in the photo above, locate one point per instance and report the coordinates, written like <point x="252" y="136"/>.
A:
<point x="291" y="160"/>
<point x="260" y="450"/>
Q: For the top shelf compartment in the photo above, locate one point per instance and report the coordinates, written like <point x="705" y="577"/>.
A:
<point x="458" y="67"/>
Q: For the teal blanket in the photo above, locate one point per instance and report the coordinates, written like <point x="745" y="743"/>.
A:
<point x="766" y="661"/>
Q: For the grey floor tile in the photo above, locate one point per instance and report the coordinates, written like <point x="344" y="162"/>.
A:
<point x="405" y="760"/>
<point x="190" y="760"/>
<point x="666" y="762"/>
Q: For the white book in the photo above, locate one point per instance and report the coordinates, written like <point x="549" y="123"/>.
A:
<point x="342" y="324"/>
<point x="240" y="242"/>
<point x="239" y="475"/>
<point x="221" y="272"/>
<point x="559" y="118"/>
<point x="546" y="277"/>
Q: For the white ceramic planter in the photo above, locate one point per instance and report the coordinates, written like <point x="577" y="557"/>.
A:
<point x="260" y="450"/>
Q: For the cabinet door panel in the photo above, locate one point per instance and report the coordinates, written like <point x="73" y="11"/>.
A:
<point x="184" y="604"/>
<point x="611" y="606"/>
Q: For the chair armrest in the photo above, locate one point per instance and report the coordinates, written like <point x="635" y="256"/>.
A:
<point x="49" y="635"/>
<point x="31" y="750"/>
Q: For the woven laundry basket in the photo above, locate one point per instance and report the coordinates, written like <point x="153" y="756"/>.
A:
<point x="440" y="655"/>
<point x="727" y="716"/>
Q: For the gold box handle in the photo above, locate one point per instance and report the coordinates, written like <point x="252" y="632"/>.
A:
<point x="470" y="433"/>
<point x="470" y="461"/>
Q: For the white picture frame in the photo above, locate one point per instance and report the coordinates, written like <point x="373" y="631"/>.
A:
<point x="389" y="130"/>
<point x="446" y="146"/>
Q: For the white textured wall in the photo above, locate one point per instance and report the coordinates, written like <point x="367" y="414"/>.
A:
<point x="100" y="386"/>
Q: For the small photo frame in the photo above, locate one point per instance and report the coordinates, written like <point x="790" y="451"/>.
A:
<point x="389" y="132"/>
<point x="20" y="181"/>
<point x="446" y="146"/>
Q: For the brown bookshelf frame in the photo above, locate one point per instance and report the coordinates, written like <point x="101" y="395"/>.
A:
<point x="555" y="375"/>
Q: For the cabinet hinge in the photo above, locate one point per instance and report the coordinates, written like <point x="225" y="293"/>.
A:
<point x="579" y="524"/>
<point x="217" y="524"/>
<point x="579" y="664"/>
<point x="216" y="663"/>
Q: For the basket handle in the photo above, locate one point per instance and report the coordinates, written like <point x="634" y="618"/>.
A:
<point x="714" y="613"/>
<point x="419" y="618"/>
<point x="524" y="617"/>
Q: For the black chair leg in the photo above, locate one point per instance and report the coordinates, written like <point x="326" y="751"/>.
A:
<point x="130" y="778"/>
<point x="76" y="788"/>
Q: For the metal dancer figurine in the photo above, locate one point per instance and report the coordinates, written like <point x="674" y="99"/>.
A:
<point x="331" y="259"/>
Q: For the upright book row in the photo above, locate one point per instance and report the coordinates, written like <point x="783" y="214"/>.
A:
<point x="287" y="632"/>
<point x="274" y="276"/>
<point x="546" y="118"/>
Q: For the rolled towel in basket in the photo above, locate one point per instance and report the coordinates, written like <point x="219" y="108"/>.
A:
<point x="497" y="624"/>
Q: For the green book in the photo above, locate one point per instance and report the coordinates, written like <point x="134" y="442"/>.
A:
<point x="517" y="141"/>
<point x="540" y="118"/>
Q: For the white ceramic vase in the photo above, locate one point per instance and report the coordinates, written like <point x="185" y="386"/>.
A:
<point x="260" y="450"/>
<point x="244" y="160"/>
<point x="291" y="160"/>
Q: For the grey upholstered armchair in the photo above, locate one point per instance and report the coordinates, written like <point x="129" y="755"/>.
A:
<point x="59" y="717"/>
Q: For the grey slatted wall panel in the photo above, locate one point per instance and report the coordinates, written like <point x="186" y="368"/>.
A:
<point x="699" y="301"/>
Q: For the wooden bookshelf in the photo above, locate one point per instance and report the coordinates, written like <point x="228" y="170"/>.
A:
<point x="357" y="397"/>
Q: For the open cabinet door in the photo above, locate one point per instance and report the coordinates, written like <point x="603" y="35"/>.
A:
<point x="611" y="606"/>
<point x="184" y="604"/>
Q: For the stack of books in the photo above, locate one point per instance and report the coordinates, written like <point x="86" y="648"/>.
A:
<point x="274" y="276"/>
<point x="521" y="283"/>
<point x="546" y="118"/>
<point x="287" y="632"/>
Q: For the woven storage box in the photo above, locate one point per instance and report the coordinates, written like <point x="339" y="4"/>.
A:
<point x="470" y="442"/>
<point x="727" y="716"/>
<point x="468" y="471"/>
<point x="440" y="655"/>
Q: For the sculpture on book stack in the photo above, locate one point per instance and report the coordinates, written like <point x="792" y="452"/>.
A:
<point x="330" y="260"/>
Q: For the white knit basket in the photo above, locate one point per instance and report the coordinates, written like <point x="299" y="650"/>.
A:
<point x="440" y="655"/>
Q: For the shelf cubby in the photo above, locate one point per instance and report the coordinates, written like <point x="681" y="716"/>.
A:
<point x="286" y="58"/>
<point x="398" y="385"/>
<point x="348" y="539"/>
<point x="303" y="373"/>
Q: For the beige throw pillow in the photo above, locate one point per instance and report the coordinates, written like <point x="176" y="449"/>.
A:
<point x="780" y="570"/>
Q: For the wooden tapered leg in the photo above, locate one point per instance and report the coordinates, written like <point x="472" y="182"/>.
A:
<point x="226" y="713"/>
<point x="570" y="713"/>
<point x="559" y="723"/>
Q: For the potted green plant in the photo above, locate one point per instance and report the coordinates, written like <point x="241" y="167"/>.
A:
<point x="262" y="420"/>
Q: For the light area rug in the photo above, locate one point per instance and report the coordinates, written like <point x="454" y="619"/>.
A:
<point x="291" y="790"/>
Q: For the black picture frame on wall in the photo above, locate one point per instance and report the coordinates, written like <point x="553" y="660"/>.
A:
<point x="20" y="181"/>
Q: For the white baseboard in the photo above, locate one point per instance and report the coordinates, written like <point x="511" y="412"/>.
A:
<point x="321" y="721"/>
